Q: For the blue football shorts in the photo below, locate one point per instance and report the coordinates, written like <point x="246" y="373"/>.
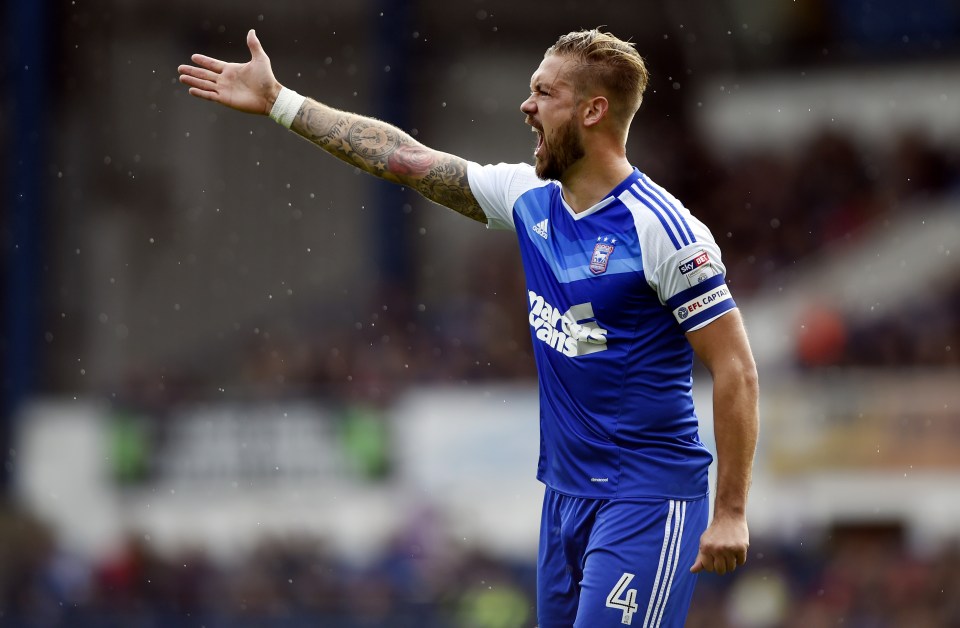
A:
<point x="617" y="562"/>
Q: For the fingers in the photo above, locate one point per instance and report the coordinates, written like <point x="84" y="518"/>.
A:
<point x="253" y="43"/>
<point x="204" y="94"/>
<point x="208" y="63"/>
<point x="704" y="562"/>
<point x="741" y="558"/>
<point x="197" y="73"/>
<point x="725" y="564"/>
<point x="202" y="82"/>
<point x="719" y="563"/>
<point x="698" y="565"/>
<point x="198" y="83"/>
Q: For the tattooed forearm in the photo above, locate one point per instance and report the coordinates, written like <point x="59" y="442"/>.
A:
<point x="386" y="151"/>
<point x="446" y="183"/>
<point x="373" y="142"/>
<point x="318" y="124"/>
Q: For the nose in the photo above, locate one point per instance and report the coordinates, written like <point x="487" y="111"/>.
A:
<point x="528" y="106"/>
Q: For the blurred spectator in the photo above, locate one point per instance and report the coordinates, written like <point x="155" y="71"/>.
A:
<point x="822" y="338"/>
<point x="859" y="576"/>
<point x="770" y="211"/>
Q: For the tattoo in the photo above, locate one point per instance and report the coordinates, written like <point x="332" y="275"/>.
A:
<point x="446" y="182"/>
<point x="385" y="151"/>
<point x="410" y="160"/>
<point x="372" y="142"/>
<point x="312" y="123"/>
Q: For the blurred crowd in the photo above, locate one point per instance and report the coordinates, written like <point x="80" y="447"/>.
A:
<point x="858" y="579"/>
<point x="770" y="211"/>
<point x="295" y="581"/>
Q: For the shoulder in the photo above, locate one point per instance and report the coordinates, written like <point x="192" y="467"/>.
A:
<point x="498" y="186"/>
<point x="504" y="175"/>
<point x="660" y="218"/>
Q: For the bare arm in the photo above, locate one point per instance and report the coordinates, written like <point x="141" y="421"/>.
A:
<point x="387" y="152"/>
<point x="723" y="348"/>
<point x="371" y="145"/>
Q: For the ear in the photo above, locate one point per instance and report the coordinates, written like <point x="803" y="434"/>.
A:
<point x="595" y="109"/>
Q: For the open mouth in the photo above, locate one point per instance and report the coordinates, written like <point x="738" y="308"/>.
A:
<point x="536" y="151"/>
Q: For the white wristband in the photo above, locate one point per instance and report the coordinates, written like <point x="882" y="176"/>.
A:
<point x="287" y="105"/>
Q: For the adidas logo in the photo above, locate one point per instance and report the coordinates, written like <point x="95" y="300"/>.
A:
<point x="541" y="228"/>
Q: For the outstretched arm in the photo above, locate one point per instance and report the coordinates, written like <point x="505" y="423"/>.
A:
<point x="386" y="151"/>
<point x="369" y="144"/>
<point x="723" y="348"/>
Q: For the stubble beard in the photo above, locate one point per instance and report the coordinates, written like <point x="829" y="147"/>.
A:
<point x="564" y="150"/>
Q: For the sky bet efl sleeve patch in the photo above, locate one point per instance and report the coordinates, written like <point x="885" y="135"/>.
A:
<point x="698" y="267"/>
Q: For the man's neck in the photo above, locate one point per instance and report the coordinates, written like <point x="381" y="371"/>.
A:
<point x="589" y="181"/>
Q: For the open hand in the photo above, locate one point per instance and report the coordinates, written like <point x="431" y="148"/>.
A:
<point x="249" y="87"/>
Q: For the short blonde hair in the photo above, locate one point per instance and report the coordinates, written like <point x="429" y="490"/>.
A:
<point x="607" y="62"/>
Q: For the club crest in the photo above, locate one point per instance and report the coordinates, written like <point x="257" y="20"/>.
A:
<point x="601" y="256"/>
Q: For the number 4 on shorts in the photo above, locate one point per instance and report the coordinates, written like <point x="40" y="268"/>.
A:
<point x="623" y="599"/>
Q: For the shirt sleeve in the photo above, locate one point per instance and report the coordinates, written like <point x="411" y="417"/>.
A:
<point x="497" y="187"/>
<point x="691" y="282"/>
<point x="681" y="259"/>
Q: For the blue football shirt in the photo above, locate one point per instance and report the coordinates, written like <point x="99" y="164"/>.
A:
<point x="611" y="292"/>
